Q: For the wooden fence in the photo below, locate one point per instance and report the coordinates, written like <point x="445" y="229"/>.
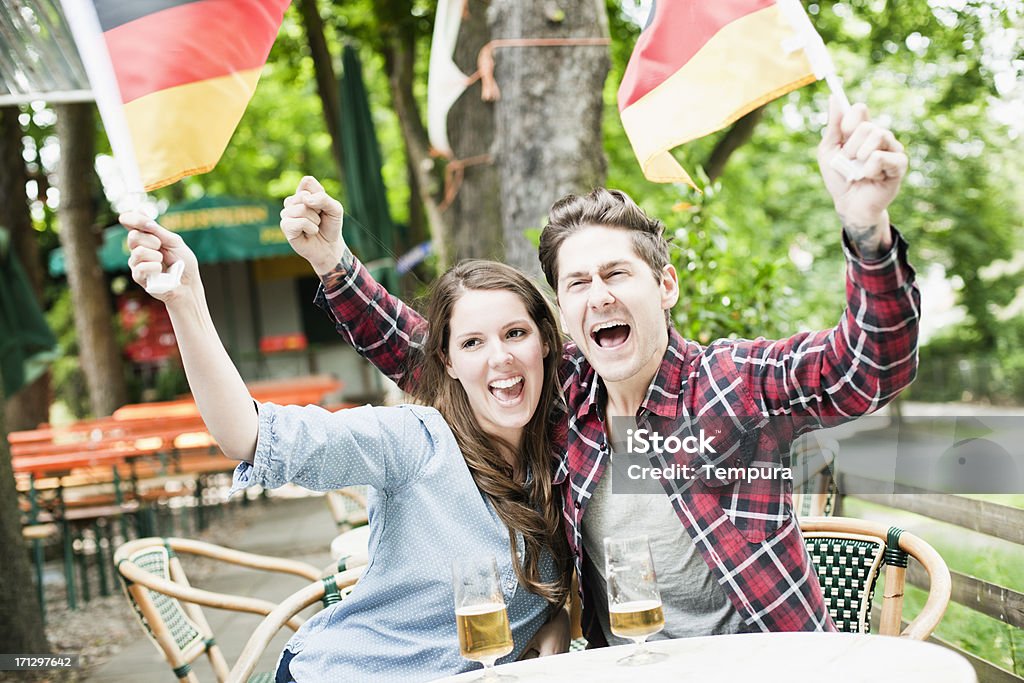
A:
<point x="991" y="519"/>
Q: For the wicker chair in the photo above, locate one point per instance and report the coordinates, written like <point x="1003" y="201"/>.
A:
<point x="349" y="549"/>
<point x="813" y="465"/>
<point x="848" y="555"/>
<point x="168" y="605"/>
<point x="348" y="507"/>
<point x="328" y="591"/>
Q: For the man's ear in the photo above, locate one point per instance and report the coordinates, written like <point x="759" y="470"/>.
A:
<point x="561" y="321"/>
<point x="669" y="285"/>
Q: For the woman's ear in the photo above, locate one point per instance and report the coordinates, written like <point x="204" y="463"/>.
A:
<point x="451" y="371"/>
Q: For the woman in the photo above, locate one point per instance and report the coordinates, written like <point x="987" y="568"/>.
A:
<point x="468" y="475"/>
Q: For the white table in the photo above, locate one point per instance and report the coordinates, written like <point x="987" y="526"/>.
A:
<point x="760" y="657"/>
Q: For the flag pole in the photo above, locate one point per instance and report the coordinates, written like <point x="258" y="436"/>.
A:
<point x="88" y="35"/>
<point x="806" y="38"/>
<point x="92" y="48"/>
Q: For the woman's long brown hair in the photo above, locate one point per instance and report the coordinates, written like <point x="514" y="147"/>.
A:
<point x="532" y="509"/>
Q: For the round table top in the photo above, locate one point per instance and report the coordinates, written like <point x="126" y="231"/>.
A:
<point x="761" y="657"/>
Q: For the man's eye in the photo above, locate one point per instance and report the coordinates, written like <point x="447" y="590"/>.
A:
<point x="575" y="284"/>
<point x="616" y="273"/>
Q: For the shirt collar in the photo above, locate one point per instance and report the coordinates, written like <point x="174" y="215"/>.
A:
<point x="665" y="389"/>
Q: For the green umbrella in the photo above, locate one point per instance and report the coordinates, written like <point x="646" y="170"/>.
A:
<point x="27" y="345"/>
<point x="373" y="238"/>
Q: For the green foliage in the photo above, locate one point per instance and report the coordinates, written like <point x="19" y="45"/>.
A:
<point x="725" y="290"/>
<point x="931" y="71"/>
<point x="68" y="380"/>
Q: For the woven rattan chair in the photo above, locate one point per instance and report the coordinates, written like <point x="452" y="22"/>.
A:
<point x="348" y="507"/>
<point x="813" y="464"/>
<point x="349" y="549"/>
<point x="328" y="591"/>
<point x="168" y="606"/>
<point x="848" y="555"/>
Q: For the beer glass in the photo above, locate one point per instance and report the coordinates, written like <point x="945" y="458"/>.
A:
<point x="481" y="615"/>
<point x="634" y="603"/>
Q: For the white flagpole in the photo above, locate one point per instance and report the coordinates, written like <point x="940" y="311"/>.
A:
<point x="85" y="27"/>
<point x="806" y="38"/>
<point x="88" y="35"/>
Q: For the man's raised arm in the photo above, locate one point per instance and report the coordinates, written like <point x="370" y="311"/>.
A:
<point x="378" y="325"/>
<point x="871" y="355"/>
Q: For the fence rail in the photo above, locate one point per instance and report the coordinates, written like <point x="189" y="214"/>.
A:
<point x="985" y="597"/>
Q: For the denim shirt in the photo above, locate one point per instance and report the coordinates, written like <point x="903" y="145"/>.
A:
<point x="425" y="511"/>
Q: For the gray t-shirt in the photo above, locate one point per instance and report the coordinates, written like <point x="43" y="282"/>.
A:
<point x="693" y="601"/>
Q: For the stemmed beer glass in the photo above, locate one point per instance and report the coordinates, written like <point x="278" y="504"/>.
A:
<point x="634" y="603"/>
<point x="481" y="615"/>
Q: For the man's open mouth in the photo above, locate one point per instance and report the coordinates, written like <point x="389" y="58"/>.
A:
<point x="507" y="390"/>
<point x="610" y="335"/>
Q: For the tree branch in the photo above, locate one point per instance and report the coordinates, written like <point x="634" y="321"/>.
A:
<point x="737" y="136"/>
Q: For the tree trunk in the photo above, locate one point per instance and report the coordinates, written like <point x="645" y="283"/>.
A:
<point x="31" y="405"/>
<point x="21" y="623"/>
<point x="100" y="358"/>
<point x="326" y="82"/>
<point x="548" y="120"/>
<point x="475" y="214"/>
<point x="737" y="136"/>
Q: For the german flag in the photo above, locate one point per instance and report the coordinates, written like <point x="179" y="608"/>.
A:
<point x="185" y="71"/>
<point x="697" y="67"/>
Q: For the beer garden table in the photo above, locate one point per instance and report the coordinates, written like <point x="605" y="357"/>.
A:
<point x="761" y="657"/>
<point x="134" y="432"/>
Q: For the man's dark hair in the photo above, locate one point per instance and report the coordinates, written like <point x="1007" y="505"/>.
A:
<point x="603" y="208"/>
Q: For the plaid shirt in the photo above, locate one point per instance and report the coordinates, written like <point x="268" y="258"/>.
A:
<point x="745" y="530"/>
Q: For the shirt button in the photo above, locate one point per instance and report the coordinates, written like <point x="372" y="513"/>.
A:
<point x="577" y="504"/>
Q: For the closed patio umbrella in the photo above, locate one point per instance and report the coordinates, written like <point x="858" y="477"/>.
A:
<point x="26" y="343"/>
<point x="373" y="238"/>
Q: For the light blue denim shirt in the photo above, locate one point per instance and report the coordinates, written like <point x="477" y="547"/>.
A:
<point x="425" y="510"/>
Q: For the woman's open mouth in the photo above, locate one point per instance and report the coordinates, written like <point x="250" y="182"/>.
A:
<point x="610" y="335"/>
<point x="507" y="390"/>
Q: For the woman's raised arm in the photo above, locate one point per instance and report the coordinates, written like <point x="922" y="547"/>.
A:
<point x="218" y="389"/>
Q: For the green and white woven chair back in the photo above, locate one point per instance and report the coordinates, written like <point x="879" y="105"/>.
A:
<point x="847" y="566"/>
<point x="185" y="632"/>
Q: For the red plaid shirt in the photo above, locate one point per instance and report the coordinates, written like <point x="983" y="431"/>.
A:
<point x="745" y="530"/>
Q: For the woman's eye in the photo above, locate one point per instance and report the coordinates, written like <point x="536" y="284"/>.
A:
<point x="516" y="333"/>
<point x="470" y="343"/>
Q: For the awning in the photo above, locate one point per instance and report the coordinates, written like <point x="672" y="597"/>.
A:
<point x="215" y="228"/>
<point x="38" y="59"/>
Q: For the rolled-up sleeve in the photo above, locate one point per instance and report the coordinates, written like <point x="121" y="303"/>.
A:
<point x="321" y="451"/>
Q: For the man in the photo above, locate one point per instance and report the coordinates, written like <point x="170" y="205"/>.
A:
<point x="728" y="550"/>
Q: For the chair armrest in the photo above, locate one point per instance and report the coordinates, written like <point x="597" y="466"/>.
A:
<point x="939" y="590"/>
<point x="273" y="622"/>
<point x="216" y="552"/>
<point x="237" y="603"/>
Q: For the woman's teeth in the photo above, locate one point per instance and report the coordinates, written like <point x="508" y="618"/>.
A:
<point x="507" y="389"/>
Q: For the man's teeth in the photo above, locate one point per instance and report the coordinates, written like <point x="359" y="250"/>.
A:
<point x="506" y="383"/>
<point x="605" y="326"/>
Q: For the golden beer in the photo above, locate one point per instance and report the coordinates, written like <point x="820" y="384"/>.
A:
<point x="637" y="619"/>
<point x="484" y="632"/>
